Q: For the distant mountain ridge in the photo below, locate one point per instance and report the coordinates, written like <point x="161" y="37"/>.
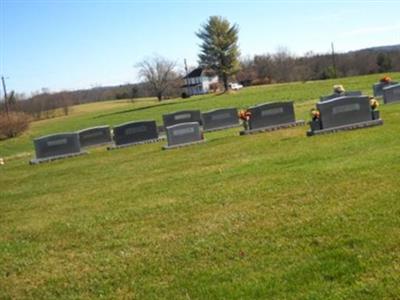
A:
<point x="388" y="48"/>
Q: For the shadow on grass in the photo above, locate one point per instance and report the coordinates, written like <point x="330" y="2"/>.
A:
<point x="149" y="107"/>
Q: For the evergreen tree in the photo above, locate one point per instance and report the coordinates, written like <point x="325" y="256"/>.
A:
<point x="219" y="48"/>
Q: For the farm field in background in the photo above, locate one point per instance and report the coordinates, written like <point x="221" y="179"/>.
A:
<point x="272" y="216"/>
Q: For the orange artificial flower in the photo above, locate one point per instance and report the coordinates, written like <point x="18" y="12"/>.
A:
<point x="386" y="79"/>
<point x="245" y="115"/>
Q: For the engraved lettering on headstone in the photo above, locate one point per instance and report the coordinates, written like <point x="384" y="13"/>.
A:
<point x="183" y="131"/>
<point x="134" y="130"/>
<point x="272" y="111"/>
<point x="182" y="117"/>
<point x="346" y="108"/>
<point x="57" y="142"/>
<point x="221" y="116"/>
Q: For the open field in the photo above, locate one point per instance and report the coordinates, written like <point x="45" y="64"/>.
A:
<point x="271" y="216"/>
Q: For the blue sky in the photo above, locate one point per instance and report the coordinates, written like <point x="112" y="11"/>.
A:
<point x="78" y="44"/>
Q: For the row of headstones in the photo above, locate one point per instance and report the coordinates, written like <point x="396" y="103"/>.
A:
<point x="389" y="91"/>
<point x="186" y="127"/>
<point x="351" y="110"/>
<point x="182" y="128"/>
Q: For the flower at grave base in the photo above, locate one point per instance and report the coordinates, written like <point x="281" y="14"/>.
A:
<point x="315" y="114"/>
<point x="1" y="161"/>
<point x="245" y="115"/>
<point x="373" y="103"/>
<point x="338" y="88"/>
<point x="385" y="79"/>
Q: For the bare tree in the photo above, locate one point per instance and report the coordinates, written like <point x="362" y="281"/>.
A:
<point x="159" y="73"/>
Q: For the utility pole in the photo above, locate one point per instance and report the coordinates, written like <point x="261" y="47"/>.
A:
<point x="5" y="94"/>
<point x="188" y="89"/>
<point x="333" y="60"/>
<point x="186" y="68"/>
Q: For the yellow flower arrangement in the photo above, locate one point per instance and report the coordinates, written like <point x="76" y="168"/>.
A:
<point x="338" y="88"/>
<point x="315" y="114"/>
<point x="373" y="103"/>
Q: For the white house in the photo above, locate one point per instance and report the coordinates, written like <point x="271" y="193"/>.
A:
<point x="198" y="81"/>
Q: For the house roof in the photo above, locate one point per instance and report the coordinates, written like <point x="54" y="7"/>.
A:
<point x="199" y="72"/>
<point x="195" y="73"/>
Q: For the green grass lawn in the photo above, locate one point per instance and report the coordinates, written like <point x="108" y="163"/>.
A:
<point x="269" y="216"/>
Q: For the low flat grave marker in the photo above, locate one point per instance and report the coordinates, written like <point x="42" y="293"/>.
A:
<point x="344" y="113"/>
<point x="135" y="133"/>
<point x="95" y="136"/>
<point x="271" y="116"/>
<point x="184" y="134"/>
<point x="56" y="146"/>
<point x="219" y="119"/>
<point x="184" y="116"/>
<point x="391" y="94"/>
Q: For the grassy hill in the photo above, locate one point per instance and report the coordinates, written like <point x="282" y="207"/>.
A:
<point x="271" y="216"/>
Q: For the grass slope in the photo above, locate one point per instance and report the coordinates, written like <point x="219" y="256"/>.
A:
<point x="273" y="215"/>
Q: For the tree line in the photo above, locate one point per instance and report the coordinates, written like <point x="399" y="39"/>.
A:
<point x="278" y="67"/>
<point x="283" y="66"/>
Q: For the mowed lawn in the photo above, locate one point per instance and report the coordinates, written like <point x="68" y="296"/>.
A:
<point x="269" y="216"/>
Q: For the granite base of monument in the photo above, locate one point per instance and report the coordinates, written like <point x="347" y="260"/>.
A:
<point x="273" y="128"/>
<point x="222" y="128"/>
<point x="37" y="161"/>
<point x="346" y="127"/>
<point x="114" y="147"/>
<point x="166" y="147"/>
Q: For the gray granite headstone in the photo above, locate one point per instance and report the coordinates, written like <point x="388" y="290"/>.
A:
<point x="183" y="133"/>
<point x="93" y="136"/>
<point x="378" y="87"/>
<point x="344" y="111"/>
<point x="135" y="132"/>
<point x="61" y="144"/>
<point x="183" y="116"/>
<point x="391" y="94"/>
<point x="220" y="118"/>
<point x="270" y="114"/>
<point x="353" y="93"/>
<point x="345" y="94"/>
